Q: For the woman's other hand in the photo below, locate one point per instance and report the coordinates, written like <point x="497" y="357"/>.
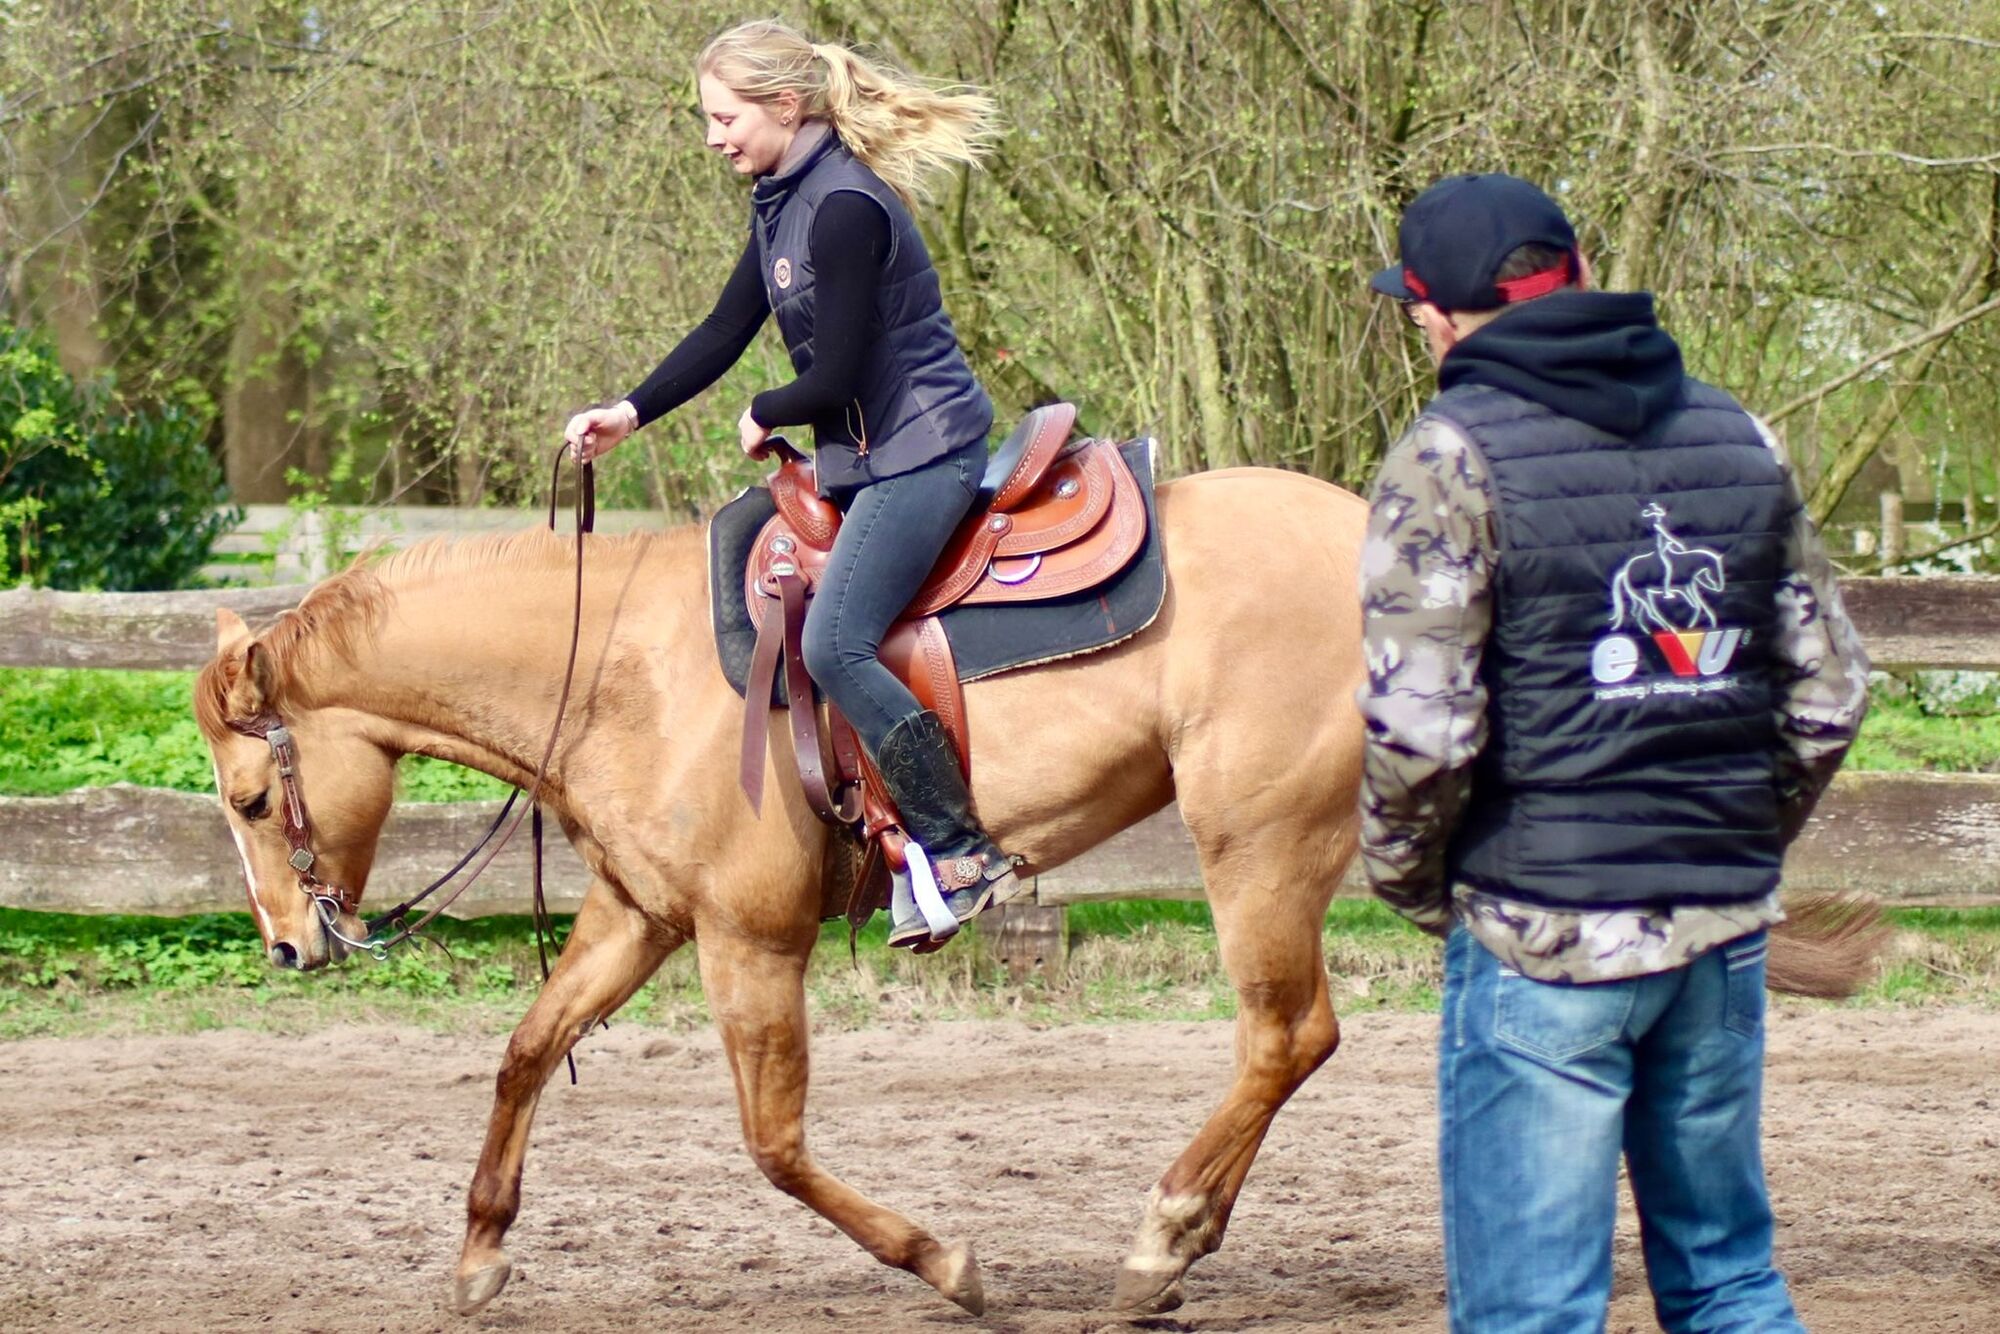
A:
<point x="755" y="438"/>
<point x="596" y="431"/>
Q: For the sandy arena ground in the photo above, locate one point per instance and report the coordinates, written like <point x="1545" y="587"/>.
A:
<point x="236" y="1180"/>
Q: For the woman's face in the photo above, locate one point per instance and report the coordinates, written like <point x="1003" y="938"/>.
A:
<point x="752" y="135"/>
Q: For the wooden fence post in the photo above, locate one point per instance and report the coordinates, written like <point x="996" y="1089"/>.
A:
<point x="1892" y="528"/>
<point x="311" y="542"/>
<point x="1029" y="937"/>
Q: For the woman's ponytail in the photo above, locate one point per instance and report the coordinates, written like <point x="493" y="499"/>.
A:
<point x="908" y="131"/>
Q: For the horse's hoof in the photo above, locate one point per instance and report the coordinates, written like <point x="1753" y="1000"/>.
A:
<point x="959" y="1279"/>
<point x="1147" y="1291"/>
<point x="471" y="1292"/>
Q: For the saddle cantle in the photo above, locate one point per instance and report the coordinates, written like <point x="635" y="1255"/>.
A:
<point x="1038" y="528"/>
<point x="1052" y="520"/>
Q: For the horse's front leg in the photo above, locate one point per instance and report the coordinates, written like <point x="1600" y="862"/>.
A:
<point x="757" y="994"/>
<point x="610" y="954"/>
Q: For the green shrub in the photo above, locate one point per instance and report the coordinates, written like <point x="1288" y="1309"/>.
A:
<point x="95" y="497"/>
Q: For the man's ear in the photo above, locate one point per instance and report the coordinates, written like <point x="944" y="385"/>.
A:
<point x="1583" y="283"/>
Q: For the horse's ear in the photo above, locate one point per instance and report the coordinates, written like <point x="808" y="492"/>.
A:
<point x="232" y="636"/>
<point x="245" y="665"/>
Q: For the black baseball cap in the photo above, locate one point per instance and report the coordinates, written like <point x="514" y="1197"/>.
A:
<point x="1455" y="235"/>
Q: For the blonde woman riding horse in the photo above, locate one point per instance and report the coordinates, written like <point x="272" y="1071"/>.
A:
<point x="838" y="147"/>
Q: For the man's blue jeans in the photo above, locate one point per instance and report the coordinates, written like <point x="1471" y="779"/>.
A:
<point x="1541" y="1086"/>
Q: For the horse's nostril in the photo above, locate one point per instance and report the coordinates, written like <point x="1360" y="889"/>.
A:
<point x="284" y="956"/>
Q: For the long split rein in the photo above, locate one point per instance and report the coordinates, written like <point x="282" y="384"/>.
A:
<point x="393" y="928"/>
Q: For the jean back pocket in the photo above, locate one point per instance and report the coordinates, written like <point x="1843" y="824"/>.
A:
<point x="1555" y="1021"/>
<point x="1743" y="995"/>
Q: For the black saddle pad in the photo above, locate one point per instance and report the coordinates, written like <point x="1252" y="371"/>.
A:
<point x="984" y="639"/>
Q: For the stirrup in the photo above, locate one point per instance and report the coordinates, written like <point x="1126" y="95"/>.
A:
<point x="967" y="885"/>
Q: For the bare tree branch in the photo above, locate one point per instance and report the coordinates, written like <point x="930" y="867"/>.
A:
<point x="1942" y="329"/>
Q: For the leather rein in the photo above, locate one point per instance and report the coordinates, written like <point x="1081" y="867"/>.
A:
<point x="392" y="928"/>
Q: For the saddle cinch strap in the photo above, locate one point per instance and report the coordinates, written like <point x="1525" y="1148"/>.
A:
<point x="1051" y="519"/>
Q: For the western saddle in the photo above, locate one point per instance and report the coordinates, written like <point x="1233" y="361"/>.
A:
<point x="1051" y="518"/>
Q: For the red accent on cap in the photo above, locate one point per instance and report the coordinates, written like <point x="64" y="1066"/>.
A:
<point x="1416" y="284"/>
<point x="1535" y="284"/>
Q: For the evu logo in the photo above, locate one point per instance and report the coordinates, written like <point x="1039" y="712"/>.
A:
<point x="1665" y="595"/>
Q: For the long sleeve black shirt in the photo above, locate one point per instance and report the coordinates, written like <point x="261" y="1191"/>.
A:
<point x="850" y="240"/>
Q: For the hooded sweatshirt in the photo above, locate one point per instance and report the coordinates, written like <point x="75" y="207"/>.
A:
<point x="1600" y="357"/>
<point x="1641" y="521"/>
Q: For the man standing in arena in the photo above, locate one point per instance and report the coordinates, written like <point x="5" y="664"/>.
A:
<point x="1608" y="677"/>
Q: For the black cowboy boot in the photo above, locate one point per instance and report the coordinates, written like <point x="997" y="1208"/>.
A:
<point x="919" y="765"/>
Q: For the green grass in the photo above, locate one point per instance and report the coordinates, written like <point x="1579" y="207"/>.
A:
<point x="63" y="974"/>
<point x="1905" y="730"/>
<point x="62" y="729"/>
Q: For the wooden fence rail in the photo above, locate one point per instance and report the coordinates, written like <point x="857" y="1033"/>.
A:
<point x="1914" y="838"/>
<point x="276" y="544"/>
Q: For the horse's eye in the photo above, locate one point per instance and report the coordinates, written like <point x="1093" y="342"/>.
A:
<point x="256" y="808"/>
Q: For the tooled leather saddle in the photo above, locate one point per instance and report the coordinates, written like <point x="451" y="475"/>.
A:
<point x="1052" y="518"/>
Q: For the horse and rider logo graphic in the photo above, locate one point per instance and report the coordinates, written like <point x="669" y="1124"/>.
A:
<point x="1666" y="594"/>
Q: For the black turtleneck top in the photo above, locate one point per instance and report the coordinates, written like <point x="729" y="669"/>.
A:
<point x="850" y="239"/>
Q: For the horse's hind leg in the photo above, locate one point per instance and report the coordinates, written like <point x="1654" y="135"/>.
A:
<point x="1268" y="912"/>
<point x="611" y="952"/>
<point x="757" y="994"/>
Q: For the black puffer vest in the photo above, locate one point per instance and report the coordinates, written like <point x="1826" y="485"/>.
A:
<point x="918" y="399"/>
<point x="1632" y="745"/>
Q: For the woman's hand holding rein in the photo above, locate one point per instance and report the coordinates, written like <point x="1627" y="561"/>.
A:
<point x="596" y="431"/>
<point x="752" y="436"/>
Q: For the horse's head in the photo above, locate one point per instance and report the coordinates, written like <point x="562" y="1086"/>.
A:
<point x="345" y="779"/>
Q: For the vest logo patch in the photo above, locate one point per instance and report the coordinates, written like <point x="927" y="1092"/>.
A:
<point x="781" y="273"/>
<point x="1665" y="597"/>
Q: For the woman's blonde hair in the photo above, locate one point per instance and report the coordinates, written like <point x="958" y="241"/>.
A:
<point x="906" y="130"/>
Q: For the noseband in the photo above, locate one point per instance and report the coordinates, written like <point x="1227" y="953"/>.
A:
<point x="392" y="928"/>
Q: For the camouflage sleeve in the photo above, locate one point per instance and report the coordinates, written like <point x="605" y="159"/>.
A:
<point x="1822" y="668"/>
<point x="1427" y="607"/>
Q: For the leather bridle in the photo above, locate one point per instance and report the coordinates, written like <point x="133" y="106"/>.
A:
<point x="393" y="928"/>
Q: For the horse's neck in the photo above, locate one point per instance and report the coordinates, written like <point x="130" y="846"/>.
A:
<point x="468" y="664"/>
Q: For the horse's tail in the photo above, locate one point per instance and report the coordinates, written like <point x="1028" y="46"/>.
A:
<point x="1829" y="946"/>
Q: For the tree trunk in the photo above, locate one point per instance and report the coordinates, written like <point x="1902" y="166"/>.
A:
<point x="57" y="287"/>
<point x="264" y="408"/>
<point x="1645" y="214"/>
<point x="1220" y="442"/>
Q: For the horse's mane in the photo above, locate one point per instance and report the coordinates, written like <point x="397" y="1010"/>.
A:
<point x="341" y="614"/>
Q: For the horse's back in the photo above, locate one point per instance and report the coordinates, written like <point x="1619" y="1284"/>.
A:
<point x="1239" y="698"/>
<point x="1263" y="657"/>
<point x="1269" y="563"/>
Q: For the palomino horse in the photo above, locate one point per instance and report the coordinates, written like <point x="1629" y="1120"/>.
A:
<point x="1238" y="701"/>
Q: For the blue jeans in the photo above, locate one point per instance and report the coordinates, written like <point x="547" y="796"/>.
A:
<point x="1541" y="1086"/>
<point x="889" y="539"/>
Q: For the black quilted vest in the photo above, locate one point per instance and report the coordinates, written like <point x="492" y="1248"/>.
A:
<point x="918" y="399"/>
<point x="1632" y="744"/>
